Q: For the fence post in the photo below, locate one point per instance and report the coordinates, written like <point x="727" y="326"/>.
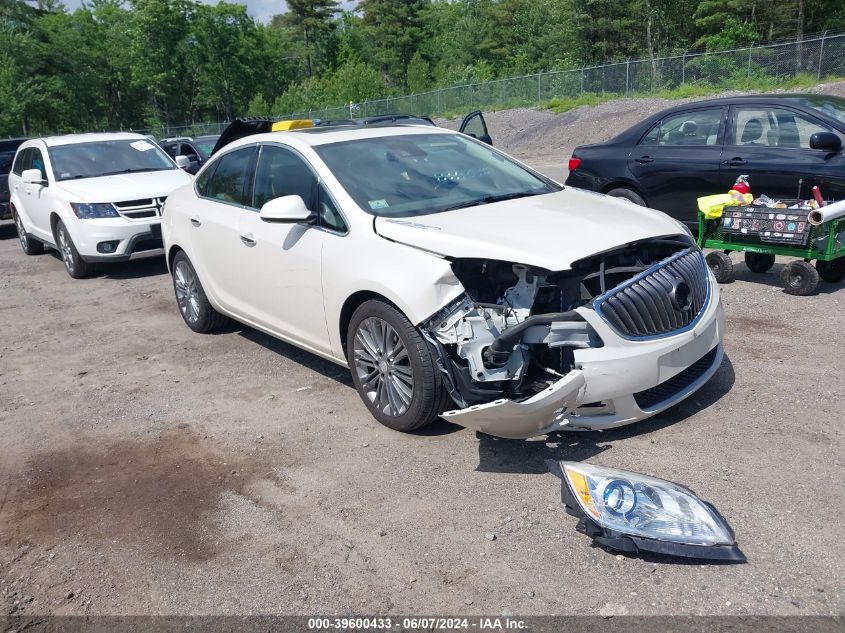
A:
<point x="683" y="68"/>
<point x="627" y="74"/>
<point x="750" y="48"/>
<point x="539" y="93"/>
<point x="582" y="80"/>
<point x="821" y="54"/>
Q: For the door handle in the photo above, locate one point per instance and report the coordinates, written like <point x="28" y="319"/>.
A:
<point x="735" y="162"/>
<point x="196" y="221"/>
<point x="644" y="159"/>
<point x="248" y="239"/>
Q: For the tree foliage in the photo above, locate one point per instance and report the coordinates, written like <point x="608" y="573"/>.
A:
<point x="119" y="64"/>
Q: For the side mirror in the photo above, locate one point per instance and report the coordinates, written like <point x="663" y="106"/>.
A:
<point x="182" y="162"/>
<point x="33" y="177"/>
<point x="287" y="209"/>
<point x="827" y="141"/>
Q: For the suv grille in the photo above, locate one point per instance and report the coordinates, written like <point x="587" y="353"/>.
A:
<point x="666" y="298"/>
<point x="140" y="209"/>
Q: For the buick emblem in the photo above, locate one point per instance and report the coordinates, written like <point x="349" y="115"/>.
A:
<point x="681" y="295"/>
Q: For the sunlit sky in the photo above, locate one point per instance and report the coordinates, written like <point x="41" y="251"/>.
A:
<point x="261" y="10"/>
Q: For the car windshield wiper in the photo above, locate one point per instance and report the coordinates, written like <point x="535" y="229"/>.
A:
<point x="494" y="198"/>
<point x="129" y="170"/>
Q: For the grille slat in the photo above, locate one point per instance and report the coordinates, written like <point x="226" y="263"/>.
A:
<point x="643" y="307"/>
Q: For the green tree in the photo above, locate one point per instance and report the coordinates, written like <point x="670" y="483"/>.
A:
<point x="397" y="28"/>
<point x="313" y="19"/>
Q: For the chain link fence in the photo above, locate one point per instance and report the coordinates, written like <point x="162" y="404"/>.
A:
<point x="819" y="56"/>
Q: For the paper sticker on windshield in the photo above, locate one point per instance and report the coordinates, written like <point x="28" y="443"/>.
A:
<point x="142" y="146"/>
<point x="378" y="204"/>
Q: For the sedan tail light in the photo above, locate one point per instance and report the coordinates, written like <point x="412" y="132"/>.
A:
<point x="573" y="163"/>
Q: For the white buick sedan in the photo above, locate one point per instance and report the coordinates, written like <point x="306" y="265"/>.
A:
<point x="451" y="279"/>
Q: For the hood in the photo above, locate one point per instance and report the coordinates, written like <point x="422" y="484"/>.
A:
<point x="550" y="231"/>
<point x="145" y="184"/>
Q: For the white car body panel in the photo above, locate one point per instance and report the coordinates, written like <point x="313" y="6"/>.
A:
<point x="549" y="231"/>
<point x="37" y="203"/>
<point x="294" y="281"/>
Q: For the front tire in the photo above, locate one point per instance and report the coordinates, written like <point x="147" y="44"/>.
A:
<point x="74" y="264"/>
<point x="800" y="278"/>
<point x="194" y="306"/>
<point x="29" y="244"/>
<point x="721" y="266"/>
<point x="392" y="368"/>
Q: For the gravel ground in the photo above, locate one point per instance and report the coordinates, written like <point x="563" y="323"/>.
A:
<point x="149" y="470"/>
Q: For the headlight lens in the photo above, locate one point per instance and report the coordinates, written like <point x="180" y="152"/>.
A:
<point x="85" y="211"/>
<point x="638" y="505"/>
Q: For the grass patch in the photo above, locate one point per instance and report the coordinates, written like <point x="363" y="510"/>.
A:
<point x="564" y="104"/>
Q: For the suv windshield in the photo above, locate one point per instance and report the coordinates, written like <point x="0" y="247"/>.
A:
<point x="107" y="158"/>
<point x="416" y="174"/>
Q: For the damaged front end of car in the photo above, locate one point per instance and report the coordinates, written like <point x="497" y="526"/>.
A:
<point x="517" y="349"/>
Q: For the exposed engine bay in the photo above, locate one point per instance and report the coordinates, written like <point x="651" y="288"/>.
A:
<point x="514" y="331"/>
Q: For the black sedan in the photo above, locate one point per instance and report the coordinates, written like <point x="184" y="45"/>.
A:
<point x="785" y="143"/>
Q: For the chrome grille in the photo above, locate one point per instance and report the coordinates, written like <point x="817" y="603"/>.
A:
<point x="666" y="298"/>
<point x="140" y="209"/>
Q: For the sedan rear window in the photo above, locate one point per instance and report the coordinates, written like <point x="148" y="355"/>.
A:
<point x="416" y="174"/>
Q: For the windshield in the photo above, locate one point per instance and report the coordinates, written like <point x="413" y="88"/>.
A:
<point x="416" y="174"/>
<point x="107" y="158"/>
<point x="834" y="108"/>
<point x="205" y="147"/>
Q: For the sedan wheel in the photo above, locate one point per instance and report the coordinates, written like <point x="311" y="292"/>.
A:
<point x="194" y="306"/>
<point x="383" y="367"/>
<point x="393" y="368"/>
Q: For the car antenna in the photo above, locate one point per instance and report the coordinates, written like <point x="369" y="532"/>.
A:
<point x="800" y="182"/>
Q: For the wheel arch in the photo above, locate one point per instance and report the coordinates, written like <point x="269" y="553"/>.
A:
<point x="352" y="303"/>
<point x="172" y="252"/>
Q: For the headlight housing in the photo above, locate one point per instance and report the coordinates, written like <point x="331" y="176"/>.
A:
<point x="631" y="512"/>
<point x="91" y="211"/>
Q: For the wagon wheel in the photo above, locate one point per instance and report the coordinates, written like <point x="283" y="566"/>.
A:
<point x="832" y="271"/>
<point x="759" y="262"/>
<point x="721" y="266"/>
<point x="800" y="278"/>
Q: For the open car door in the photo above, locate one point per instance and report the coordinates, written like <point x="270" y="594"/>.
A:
<point x="475" y="126"/>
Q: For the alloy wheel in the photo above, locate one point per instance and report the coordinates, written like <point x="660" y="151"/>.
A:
<point x="383" y="366"/>
<point x="187" y="297"/>
<point x="22" y="236"/>
<point x="64" y="248"/>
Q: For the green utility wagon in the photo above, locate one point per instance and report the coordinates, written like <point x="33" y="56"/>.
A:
<point x="763" y="232"/>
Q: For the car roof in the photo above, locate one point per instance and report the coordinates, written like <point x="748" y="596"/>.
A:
<point x="317" y="136"/>
<point x="91" y="137"/>
<point x="777" y="98"/>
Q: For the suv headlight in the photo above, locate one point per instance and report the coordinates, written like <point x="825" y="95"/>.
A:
<point x="631" y="512"/>
<point x="85" y="211"/>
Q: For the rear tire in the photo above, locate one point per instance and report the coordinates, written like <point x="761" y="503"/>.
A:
<point x="393" y="368"/>
<point x="833" y="271"/>
<point x="800" y="278"/>
<point x="721" y="266"/>
<point x="759" y="262"/>
<point x="74" y="264"/>
<point x="622" y="192"/>
<point x="29" y="244"/>
<point x="194" y="306"/>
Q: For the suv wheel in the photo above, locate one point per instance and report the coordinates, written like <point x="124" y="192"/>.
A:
<point x="393" y="369"/>
<point x="194" y="306"/>
<point x="29" y="244"/>
<point x="74" y="264"/>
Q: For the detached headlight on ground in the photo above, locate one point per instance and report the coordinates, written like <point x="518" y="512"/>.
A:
<point x="633" y="513"/>
<point x="92" y="211"/>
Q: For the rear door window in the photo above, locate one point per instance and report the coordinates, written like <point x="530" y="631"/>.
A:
<point x="695" y="128"/>
<point x="230" y="182"/>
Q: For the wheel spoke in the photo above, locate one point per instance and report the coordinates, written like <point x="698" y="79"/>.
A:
<point x="366" y="344"/>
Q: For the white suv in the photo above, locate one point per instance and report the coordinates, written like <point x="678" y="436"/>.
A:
<point x="93" y="197"/>
<point x="450" y="278"/>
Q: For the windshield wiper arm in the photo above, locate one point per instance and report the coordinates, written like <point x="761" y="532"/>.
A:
<point x="130" y="170"/>
<point x="494" y="198"/>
